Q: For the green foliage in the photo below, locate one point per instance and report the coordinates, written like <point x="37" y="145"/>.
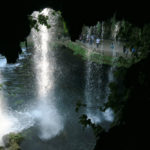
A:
<point x="114" y="103"/>
<point x="125" y="31"/>
<point x="135" y="37"/>
<point x="120" y="73"/>
<point x="1" y="86"/>
<point x="65" y="27"/>
<point x="78" y="50"/>
<point x="12" y="141"/>
<point x="41" y="19"/>
<point x="122" y="60"/>
<point x="119" y="94"/>
<point x="14" y="146"/>
<point x="15" y="138"/>
<point x="87" y="122"/>
<point x="99" y="58"/>
<point x="32" y="21"/>
<point x="59" y="12"/>
<point x="54" y="13"/>
<point x="132" y="36"/>
<point x="22" y="44"/>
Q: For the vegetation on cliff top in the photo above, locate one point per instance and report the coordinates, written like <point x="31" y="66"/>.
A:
<point x="129" y="95"/>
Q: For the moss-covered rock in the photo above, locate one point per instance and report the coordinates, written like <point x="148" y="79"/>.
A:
<point x="12" y="141"/>
<point x="2" y="148"/>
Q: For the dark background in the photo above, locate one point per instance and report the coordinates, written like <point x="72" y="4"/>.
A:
<point x="14" y="25"/>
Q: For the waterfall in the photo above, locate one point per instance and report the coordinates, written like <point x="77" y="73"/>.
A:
<point x="47" y="115"/>
<point x="4" y="122"/>
<point x="96" y="91"/>
<point x="7" y="121"/>
<point x="115" y="30"/>
<point x="91" y="90"/>
<point x="44" y="70"/>
<point x="102" y="39"/>
<point x="11" y="121"/>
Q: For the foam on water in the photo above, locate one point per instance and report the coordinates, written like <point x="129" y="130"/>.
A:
<point x="49" y="120"/>
<point x="99" y="117"/>
<point x="109" y="115"/>
<point x="14" y="122"/>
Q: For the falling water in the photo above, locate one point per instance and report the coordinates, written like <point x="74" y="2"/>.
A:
<point x="115" y="31"/>
<point x="96" y="92"/>
<point x="47" y="115"/>
<point x="11" y="121"/>
<point x="91" y="90"/>
<point x="103" y="30"/>
<point x="102" y="39"/>
<point x="4" y="122"/>
<point x="96" y="89"/>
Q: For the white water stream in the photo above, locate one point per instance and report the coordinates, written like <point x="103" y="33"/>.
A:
<point x="47" y="115"/>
